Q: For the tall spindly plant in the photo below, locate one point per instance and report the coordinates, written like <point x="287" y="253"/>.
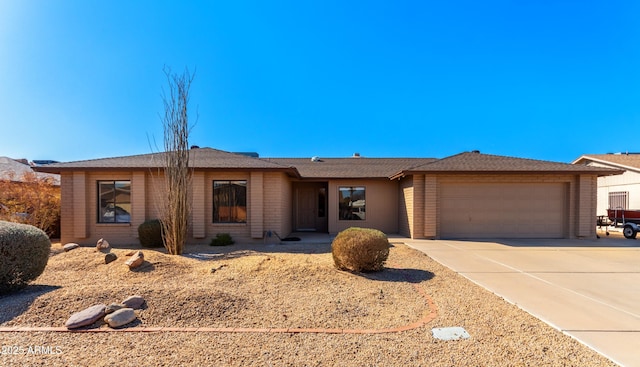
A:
<point x="177" y="175"/>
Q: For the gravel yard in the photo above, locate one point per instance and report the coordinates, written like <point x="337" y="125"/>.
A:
<point x="274" y="287"/>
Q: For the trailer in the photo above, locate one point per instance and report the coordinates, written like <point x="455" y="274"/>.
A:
<point x="628" y="219"/>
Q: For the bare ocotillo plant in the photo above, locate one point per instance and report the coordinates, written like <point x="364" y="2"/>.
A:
<point x="177" y="175"/>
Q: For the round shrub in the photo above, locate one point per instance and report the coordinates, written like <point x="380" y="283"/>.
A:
<point x="222" y="239"/>
<point x="150" y="233"/>
<point x="24" y="252"/>
<point x="360" y="250"/>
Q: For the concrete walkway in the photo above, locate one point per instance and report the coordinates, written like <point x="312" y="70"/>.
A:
<point x="588" y="289"/>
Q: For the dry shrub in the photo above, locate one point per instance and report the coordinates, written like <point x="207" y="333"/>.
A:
<point x="150" y="233"/>
<point x="31" y="200"/>
<point x="24" y="252"/>
<point x="360" y="249"/>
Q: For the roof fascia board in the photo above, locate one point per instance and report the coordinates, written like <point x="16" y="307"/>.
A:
<point x="292" y="171"/>
<point x="608" y="172"/>
<point x="604" y="161"/>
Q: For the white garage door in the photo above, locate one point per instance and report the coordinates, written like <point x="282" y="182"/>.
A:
<point x="472" y="210"/>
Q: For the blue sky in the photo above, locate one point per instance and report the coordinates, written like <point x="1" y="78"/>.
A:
<point x="546" y="80"/>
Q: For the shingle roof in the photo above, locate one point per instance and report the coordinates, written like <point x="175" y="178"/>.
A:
<point x="200" y="158"/>
<point x="626" y="161"/>
<point x="327" y="168"/>
<point x="486" y="163"/>
<point x="350" y="167"/>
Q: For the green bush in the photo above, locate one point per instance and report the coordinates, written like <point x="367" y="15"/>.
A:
<point x="222" y="239"/>
<point x="360" y="250"/>
<point x="150" y="233"/>
<point x="24" y="252"/>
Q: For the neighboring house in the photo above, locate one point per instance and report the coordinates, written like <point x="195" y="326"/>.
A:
<point x="469" y="195"/>
<point x="15" y="169"/>
<point x="620" y="191"/>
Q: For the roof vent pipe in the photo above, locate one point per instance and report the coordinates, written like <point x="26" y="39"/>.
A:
<point x="475" y="151"/>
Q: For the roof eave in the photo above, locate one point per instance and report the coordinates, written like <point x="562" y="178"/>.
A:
<point x="607" y="172"/>
<point x="291" y="171"/>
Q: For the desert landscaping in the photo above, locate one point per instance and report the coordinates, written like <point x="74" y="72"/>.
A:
<point x="272" y="305"/>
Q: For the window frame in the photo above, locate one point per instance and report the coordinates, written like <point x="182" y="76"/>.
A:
<point x="350" y="215"/>
<point x="618" y="200"/>
<point x="234" y="209"/>
<point x="101" y="210"/>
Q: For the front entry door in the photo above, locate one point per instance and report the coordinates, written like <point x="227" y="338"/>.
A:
<point x="310" y="207"/>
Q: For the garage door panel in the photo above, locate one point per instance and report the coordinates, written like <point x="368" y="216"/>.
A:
<point x="470" y="210"/>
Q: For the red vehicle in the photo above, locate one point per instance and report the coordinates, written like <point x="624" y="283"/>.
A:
<point x="629" y="218"/>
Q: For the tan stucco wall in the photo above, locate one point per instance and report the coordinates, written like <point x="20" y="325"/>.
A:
<point x="581" y="201"/>
<point x="381" y="198"/>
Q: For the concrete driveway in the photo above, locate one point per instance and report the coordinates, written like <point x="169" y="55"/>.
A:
<point x="589" y="289"/>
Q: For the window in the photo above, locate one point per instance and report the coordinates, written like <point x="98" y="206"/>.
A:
<point x="619" y="200"/>
<point x="114" y="201"/>
<point x="229" y="201"/>
<point x="322" y="200"/>
<point x="352" y="203"/>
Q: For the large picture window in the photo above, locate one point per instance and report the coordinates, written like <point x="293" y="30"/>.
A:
<point x="229" y="201"/>
<point x="114" y="201"/>
<point x="352" y="203"/>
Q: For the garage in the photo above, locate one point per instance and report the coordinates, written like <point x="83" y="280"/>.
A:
<point x="503" y="210"/>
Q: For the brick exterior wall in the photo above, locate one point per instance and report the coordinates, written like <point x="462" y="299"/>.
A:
<point x="79" y="205"/>
<point x="419" y="196"/>
<point x="198" y="216"/>
<point x="67" y="219"/>
<point x="138" y="201"/>
<point x="241" y="232"/>
<point x="405" y="212"/>
<point x="431" y="218"/>
<point x="256" y="213"/>
<point x="382" y="202"/>
<point x="277" y="199"/>
<point x="587" y="206"/>
<point x="409" y="206"/>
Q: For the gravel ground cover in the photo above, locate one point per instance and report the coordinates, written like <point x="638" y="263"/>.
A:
<point x="274" y="286"/>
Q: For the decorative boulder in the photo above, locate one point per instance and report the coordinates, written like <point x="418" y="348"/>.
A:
<point x="114" y="307"/>
<point x="110" y="257"/>
<point x="85" y="317"/>
<point x="120" y="317"/>
<point x="134" y="302"/>
<point x="136" y="260"/>
<point x="102" y="244"/>
<point x="70" y="246"/>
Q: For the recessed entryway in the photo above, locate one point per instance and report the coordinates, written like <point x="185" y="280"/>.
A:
<point x="310" y="207"/>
